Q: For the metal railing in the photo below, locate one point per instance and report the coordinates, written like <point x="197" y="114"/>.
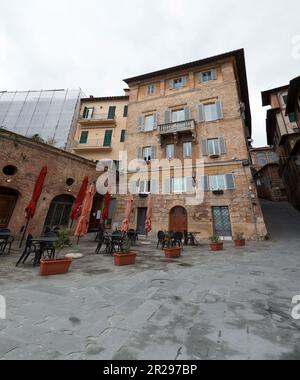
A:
<point x="178" y="126"/>
<point x="97" y="116"/>
<point x="89" y="144"/>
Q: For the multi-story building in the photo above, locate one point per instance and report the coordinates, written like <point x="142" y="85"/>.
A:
<point x="265" y="166"/>
<point x="49" y="114"/>
<point x="283" y="132"/>
<point x="198" y="112"/>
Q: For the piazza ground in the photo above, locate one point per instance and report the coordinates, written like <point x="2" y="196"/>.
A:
<point x="235" y="304"/>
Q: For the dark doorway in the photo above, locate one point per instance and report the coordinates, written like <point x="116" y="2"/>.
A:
<point x="222" y="224"/>
<point x="141" y="220"/>
<point x="8" y="200"/>
<point x="59" y="211"/>
<point x="178" y="220"/>
<point x="96" y="212"/>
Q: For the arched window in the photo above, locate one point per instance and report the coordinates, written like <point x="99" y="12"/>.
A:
<point x="59" y="211"/>
<point x="8" y="200"/>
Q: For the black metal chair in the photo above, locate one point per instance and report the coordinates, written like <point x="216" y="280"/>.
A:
<point x="30" y="248"/>
<point x="6" y="241"/>
<point x="133" y="236"/>
<point x="48" y="247"/>
<point x="189" y="239"/>
<point x="117" y="241"/>
<point x="100" y="239"/>
<point x="161" y="239"/>
<point x="177" y="239"/>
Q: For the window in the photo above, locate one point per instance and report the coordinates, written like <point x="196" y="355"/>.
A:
<point x="147" y="153"/>
<point x="221" y="182"/>
<point x="207" y="76"/>
<point x="210" y="111"/>
<point x="187" y="150"/>
<point x="149" y="123"/>
<point x="125" y="113"/>
<point x="123" y="134"/>
<point x="9" y="170"/>
<point x="147" y="187"/>
<point x="273" y="157"/>
<point x="107" y="138"/>
<point x="177" y="83"/>
<point x="178" y="116"/>
<point x="88" y="112"/>
<point x="182" y="185"/>
<point x="112" y="112"/>
<point x="170" y="151"/>
<point x="261" y="159"/>
<point x="150" y="89"/>
<point x="84" y="137"/>
<point x="285" y="99"/>
<point x="213" y="147"/>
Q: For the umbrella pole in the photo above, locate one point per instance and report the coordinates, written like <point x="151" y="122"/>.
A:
<point x="72" y="221"/>
<point x="24" y="233"/>
<point x="78" y="240"/>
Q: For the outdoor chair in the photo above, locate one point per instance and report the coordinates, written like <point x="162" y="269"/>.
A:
<point x="189" y="239"/>
<point x="6" y="241"/>
<point x="177" y="239"/>
<point x="117" y="240"/>
<point x="100" y="239"/>
<point x="161" y="239"/>
<point x="48" y="247"/>
<point x="30" y="248"/>
<point x="133" y="236"/>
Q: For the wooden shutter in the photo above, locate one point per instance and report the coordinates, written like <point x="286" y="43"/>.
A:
<point x="201" y="113"/>
<point x="141" y="123"/>
<point x="167" y="117"/>
<point x="204" y="148"/>
<point x="154" y="153"/>
<point x="108" y="138"/>
<point x="167" y="186"/>
<point x="171" y="84"/>
<point x="187" y="113"/>
<point x="222" y="145"/>
<point x="140" y="153"/>
<point x="112" y="112"/>
<point x="219" y="109"/>
<point x="85" y="112"/>
<point x="230" y="185"/>
<point x="84" y="137"/>
<point x="190" y="186"/>
<point x="214" y="74"/>
<point x="204" y="183"/>
<point x="200" y="77"/>
<point x="184" y="81"/>
<point x="155" y="121"/>
<point x="125" y="113"/>
<point x="123" y="133"/>
<point x="154" y="186"/>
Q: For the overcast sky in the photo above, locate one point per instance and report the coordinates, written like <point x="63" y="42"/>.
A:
<point x="94" y="44"/>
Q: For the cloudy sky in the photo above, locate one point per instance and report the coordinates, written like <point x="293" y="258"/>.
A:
<point x="94" y="44"/>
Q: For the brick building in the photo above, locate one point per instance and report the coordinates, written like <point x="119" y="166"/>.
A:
<point x="21" y="160"/>
<point x="283" y="132"/>
<point x="195" y="111"/>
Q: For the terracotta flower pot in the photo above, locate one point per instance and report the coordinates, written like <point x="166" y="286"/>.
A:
<point x="240" y="243"/>
<point x="217" y="246"/>
<point x="56" y="266"/>
<point x="122" y="259"/>
<point x="172" y="253"/>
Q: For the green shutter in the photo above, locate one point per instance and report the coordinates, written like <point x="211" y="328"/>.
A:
<point x="123" y="133"/>
<point x="107" y="138"/>
<point x="84" y="137"/>
<point x="112" y="112"/>
<point x="292" y="117"/>
<point x="125" y="114"/>
<point x="285" y="98"/>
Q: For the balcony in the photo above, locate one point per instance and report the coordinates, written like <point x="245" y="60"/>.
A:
<point x="177" y="128"/>
<point x="91" y="145"/>
<point x="96" y="120"/>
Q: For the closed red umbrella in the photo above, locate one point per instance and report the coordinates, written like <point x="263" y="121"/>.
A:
<point x="148" y="223"/>
<point x="77" y="207"/>
<point x="84" y="219"/>
<point x="105" y="211"/>
<point x="37" y="191"/>
<point x="128" y="211"/>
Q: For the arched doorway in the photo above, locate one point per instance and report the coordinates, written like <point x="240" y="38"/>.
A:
<point x="8" y="200"/>
<point x="178" y="219"/>
<point x="59" y="211"/>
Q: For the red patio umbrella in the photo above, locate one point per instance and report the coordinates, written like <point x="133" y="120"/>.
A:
<point x="128" y="211"/>
<point x="148" y="223"/>
<point x="31" y="208"/>
<point x="105" y="211"/>
<point x="77" y="207"/>
<point x="84" y="219"/>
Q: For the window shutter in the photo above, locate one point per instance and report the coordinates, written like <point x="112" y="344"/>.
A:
<point x="219" y="109"/>
<point x="140" y="153"/>
<point x="125" y="114"/>
<point x="142" y="188"/>
<point x="184" y="81"/>
<point x="107" y="138"/>
<point x="123" y="133"/>
<point x="171" y="84"/>
<point x="84" y="137"/>
<point x="214" y="74"/>
<point x="167" y="186"/>
<point x="204" y="183"/>
<point x="154" y="187"/>
<point x="190" y="187"/>
<point x="112" y="112"/>
<point x="204" y="148"/>
<point x="200" y="77"/>
<point x="167" y="117"/>
<point x="154" y="153"/>
<point x="85" y="113"/>
<point x="201" y="113"/>
<point x="155" y="122"/>
<point x="141" y="123"/>
<point x="222" y="145"/>
<point x="230" y="185"/>
<point x="292" y="117"/>
<point x="187" y="113"/>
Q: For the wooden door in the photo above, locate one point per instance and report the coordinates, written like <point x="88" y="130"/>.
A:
<point x="7" y="205"/>
<point x="178" y="220"/>
<point x="141" y="220"/>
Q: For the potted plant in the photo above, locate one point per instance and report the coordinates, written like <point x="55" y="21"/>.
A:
<point x="126" y="256"/>
<point x="55" y="266"/>
<point x="216" y="244"/>
<point x="170" y="251"/>
<point x="239" y="240"/>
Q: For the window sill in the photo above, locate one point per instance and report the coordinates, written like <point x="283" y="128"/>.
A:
<point x="218" y="192"/>
<point x="214" y="156"/>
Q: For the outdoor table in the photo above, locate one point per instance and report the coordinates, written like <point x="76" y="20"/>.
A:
<point x="4" y="238"/>
<point x="43" y="243"/>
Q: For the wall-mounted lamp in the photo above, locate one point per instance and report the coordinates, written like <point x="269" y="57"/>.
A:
<point x="8" y="180"/>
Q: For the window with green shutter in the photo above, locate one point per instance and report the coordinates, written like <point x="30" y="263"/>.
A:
<point x="108" y="138"/>
<point x="292" y="117"/>
<point x="112" y="112"/>
<point x="123" y="133"/>
<point x="84" y="137"/>
<point x="125" y="114"/>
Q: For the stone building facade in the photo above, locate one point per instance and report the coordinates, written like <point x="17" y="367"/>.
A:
<point x="283" y="132"/>
<point x="21" y="160"/>
<point x="198" y="112"/>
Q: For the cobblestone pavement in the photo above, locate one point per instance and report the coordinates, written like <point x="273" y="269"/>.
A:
<point x="235" y="304"/>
